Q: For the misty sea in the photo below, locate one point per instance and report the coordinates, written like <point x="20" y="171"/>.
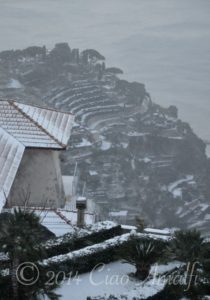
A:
<point x="164" y="44"/>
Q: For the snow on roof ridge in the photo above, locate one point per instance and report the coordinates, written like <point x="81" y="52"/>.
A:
<point x="42" y="107"/>
<point x="14" y="104"/>
<point x="36" y="106"/>
<point x="56" y="125"/>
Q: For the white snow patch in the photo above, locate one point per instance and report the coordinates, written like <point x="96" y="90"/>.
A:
<point x="93" y="173"/>
<point x="145" y="160"/>
<point x="204" y="207"/>
<point x="124" y="145"/>
<point x="161" y="269"/>
<point x="109" y="279"/>
<point x="177" y="193"/>
<point x="175" y="184"/>
<point x="14" y="84"/>
<point x="135" y="133"/>
<point x="105" y="145"/>
<point x="129" y="227"/>
<point x="157" y="231"/>
<point x="207" y="217"/>
<point x="121" y="213"/>
<point x="84" y="143"/>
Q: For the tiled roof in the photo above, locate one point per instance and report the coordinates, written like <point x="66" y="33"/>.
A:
<point x="25" y="126"/>
<point x="34" y="126"/>
<point x="11" y="153"/>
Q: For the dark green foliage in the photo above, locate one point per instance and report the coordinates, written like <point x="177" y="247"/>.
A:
<point x="71" y="243"/>
<point x="35" y="292"/>
<point x="75" y="56"/>
<point x="134" y="91"/>
<point x="44" y="233"/>
<point x="19" y="234"/>
<point x="59" y="55"/>
<point x="168" y="293"/>
<point x="173" y="111"/>
<point x="191" y="149"/>
<point x="28" y="52"/>
<point x="91" y="54"/>
<point x="186" y="246"/>
<point x="86" y="263"/>
<point x="20" y="239"/>
<point x="34" y="51"/>
<point x="205" y="260"/>
<point x="142" y="254"/>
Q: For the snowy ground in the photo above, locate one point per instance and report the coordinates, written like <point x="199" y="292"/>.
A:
<point x="97" y="283"/>
<point x="112" y="279"/>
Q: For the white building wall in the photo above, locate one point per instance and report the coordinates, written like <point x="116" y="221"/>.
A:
<point x="40" y="175"/>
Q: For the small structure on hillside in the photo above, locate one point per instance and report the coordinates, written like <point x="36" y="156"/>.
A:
<point x="30" y="140"/>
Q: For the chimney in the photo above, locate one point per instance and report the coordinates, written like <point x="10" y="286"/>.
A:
<point x="81" y="205"/>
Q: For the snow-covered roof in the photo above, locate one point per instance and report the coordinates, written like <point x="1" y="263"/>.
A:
<point x="35" y="127"/>
<point x="11" y="152"/>
<point x="57" y="224"/>
<point x="25" y="126"/>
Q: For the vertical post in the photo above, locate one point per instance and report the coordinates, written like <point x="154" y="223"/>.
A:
<point x="81" y="204"/>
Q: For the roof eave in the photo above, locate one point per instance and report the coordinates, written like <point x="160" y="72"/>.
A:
<point x="46" y="148"/>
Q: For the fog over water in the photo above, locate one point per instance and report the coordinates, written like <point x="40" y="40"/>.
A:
<point x="162" y="43"/>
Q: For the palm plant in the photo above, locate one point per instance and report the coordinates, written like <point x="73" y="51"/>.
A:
<point x="188" y="246"/>
<point x="141" y="254"/>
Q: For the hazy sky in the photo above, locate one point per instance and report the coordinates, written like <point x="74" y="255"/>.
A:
<point x="162" y="43"/>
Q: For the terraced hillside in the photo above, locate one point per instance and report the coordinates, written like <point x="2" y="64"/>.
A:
<point x="134" y="158"/>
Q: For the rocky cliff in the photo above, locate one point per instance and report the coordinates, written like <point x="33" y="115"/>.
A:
<point x="137" y="159"/>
